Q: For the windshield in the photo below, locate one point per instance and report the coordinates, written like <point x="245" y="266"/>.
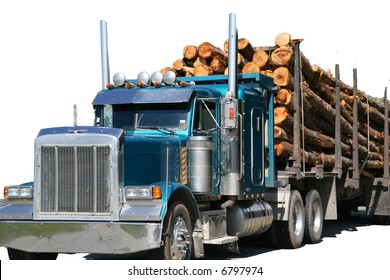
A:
<point x="144" y="116"/>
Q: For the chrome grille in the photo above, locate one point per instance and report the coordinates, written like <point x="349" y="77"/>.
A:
<point x="75" y="179"/>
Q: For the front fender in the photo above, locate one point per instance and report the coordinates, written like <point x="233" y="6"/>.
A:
<point x="183" y="193"/>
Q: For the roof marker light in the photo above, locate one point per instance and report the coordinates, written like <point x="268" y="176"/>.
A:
<point x="119" y="79"/>
<point x="169" y="77"/>
<point x="109" y="86"/>
<point x="157" y="77"/>
<point x="184" y="84"/>
<point x="143" y="79"/>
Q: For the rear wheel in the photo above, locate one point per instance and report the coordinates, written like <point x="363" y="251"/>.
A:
<point x="292" y="231"/>
<point x="314" y="217"/>
<point x="14" y="254"/>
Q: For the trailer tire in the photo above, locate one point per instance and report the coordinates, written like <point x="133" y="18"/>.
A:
<point x="177" y="235"/>
<point x="314" y="217"/>
<point x="14" y="254"/>
<point x="293" y="230"/>
<point x="381" y="220"/>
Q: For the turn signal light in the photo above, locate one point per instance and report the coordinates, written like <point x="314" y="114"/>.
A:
<point x="157" y="192"/>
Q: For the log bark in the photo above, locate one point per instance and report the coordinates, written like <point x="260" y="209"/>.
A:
<point x="245" y="48"/>
<point x="281" y="134"/>
<point x="284" y="149"/>
<point x="325" y="110"/>
<point x="364" y="109"/>
<point x="241" y="60"/>
<point x="200" y="61"/>
<point x="208" y="51"/>
<point x="315" y="138"/>
<point x="268" y="73"/>
<point x="377" y="103"/>
<point x="203" y="70"/>
<point x="218" y="65"/>
<point x="330" y="160"/>
<point x="180" y="67"/>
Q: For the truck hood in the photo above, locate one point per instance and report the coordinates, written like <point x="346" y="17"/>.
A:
<point x="150" y="159"/>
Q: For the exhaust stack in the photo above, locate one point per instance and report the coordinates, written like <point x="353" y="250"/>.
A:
<point x="104" y="54"/>
<point x="232" y="179"/>
<point x="232" y="63"/>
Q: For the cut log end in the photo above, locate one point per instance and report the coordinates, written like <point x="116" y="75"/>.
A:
<point x="283" y="98"/>
<point x="250" y="67"/>
<point x="190" y="52"/>
<point x="282" y="55"/>
<point x="260" y="58"/>
<point x="283" y="39"/>
<point x="280" y="114"/>
<point x="281" y="76"/>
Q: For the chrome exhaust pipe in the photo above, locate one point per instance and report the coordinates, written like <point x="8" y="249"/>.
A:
<point x="104" y="54"/>
<point x="231" y="118"/>
<point x="232" y="62"/>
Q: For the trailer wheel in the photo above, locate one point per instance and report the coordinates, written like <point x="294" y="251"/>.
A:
<point x="314" y="217"/>
<point x="14" y="254"/>
<point x="177" y="235"/>
<point x="292" y="231"/>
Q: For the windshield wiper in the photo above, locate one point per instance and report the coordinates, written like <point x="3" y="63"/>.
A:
<point x="161" y="129"/>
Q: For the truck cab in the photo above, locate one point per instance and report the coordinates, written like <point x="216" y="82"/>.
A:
<point x="153" y="173"/>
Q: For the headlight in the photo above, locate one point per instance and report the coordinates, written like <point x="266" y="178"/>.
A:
<point x="143" y="192"/>
<point x="18" y="192"/>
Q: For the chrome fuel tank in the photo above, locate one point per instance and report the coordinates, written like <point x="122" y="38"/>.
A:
<point x="247" y="218"/>
<point x="200" y="164"/>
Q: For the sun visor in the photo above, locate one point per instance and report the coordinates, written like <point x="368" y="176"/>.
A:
<point x="143" y="95"/>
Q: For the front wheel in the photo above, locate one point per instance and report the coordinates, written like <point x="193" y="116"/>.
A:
<point x="177" y="235"/>
<point x="14" y="254"/>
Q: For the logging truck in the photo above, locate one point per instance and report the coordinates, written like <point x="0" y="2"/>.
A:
<point x="174" y="164"/>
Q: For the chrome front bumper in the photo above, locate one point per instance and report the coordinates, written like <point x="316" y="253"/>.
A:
<point x="80" y="237"/>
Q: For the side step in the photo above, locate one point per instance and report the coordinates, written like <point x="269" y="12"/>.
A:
<point x="221" y="240"/>
<point x="214" y="228"/>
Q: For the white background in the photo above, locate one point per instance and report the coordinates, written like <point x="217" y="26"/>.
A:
<point x="50" y="60"/>
<point x="50" y="52"/>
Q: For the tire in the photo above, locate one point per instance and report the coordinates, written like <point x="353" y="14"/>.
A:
<point x="14" y="254"/>
<point x="381" y="220"/>
<point x="292" y="231"/>
<point x="314" y="217"/>
<point x="177" y="235"/>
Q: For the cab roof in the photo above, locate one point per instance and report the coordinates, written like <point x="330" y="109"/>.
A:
<point x="206" y="86"/>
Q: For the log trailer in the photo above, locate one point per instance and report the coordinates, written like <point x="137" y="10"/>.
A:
<point x="172" y="165"/>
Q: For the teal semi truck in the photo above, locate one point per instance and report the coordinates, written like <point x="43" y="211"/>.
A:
<point x="170" y="166"/>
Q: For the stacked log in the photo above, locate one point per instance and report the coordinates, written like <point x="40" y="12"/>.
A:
<point x="317" y="97"/>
